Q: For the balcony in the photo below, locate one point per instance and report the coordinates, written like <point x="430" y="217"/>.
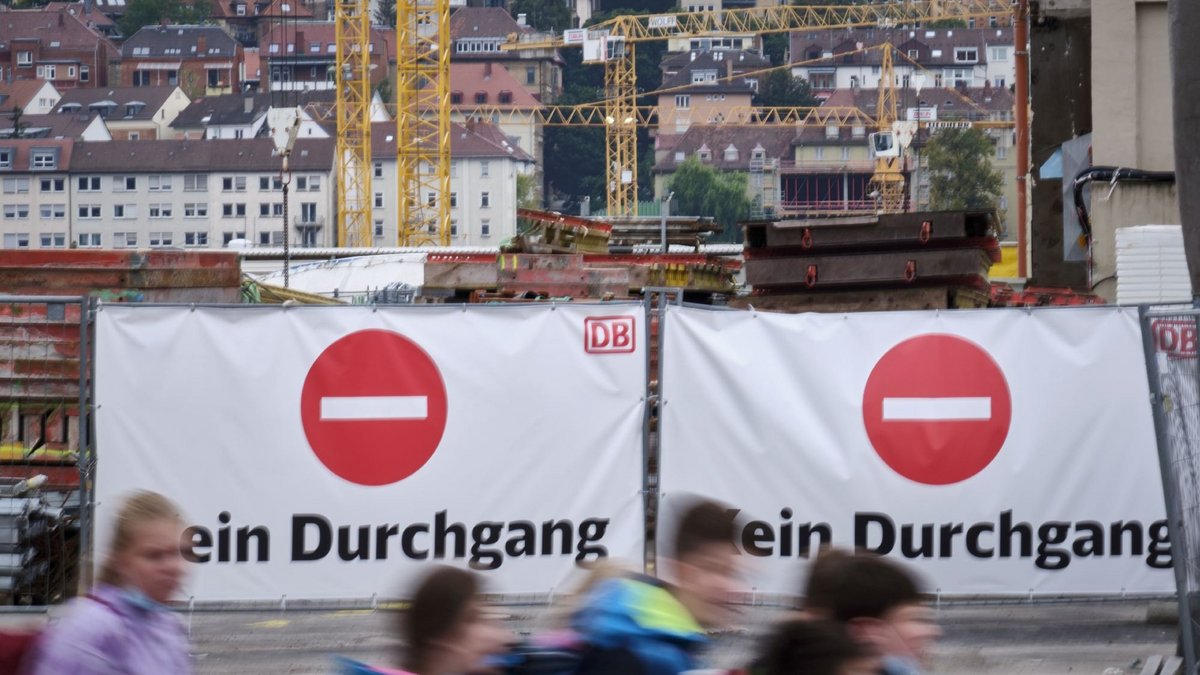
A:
<point x="302" y="223"/>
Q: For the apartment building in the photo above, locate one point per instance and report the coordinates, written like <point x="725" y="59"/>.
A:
<point x="483" y="184"/>
<point x="946" y="57"/>
<point x="488" y="92"/>
<point x="130" y="113"/>
<point x="298" y="56"/>
<point x="201" y="60"/>
<point x="706" y="87"/>
<point x="759" y="152"/>
<point x="31" y="97"/>
<point x="134" y="194"/>
<point x="477" y="34"/>
<point x="55" y="45"/>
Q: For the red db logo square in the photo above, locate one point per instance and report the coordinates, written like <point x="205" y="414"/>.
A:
<point x="609" y="335"/>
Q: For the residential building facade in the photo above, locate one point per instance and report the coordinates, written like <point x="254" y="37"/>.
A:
<point x="477" y="33"/>
<point x="706" y="87"/>
<point x="54" y="45"/>
<point x="166" y="194"/>
<point x="483" y="184"/>
<point x="299" y="56"/>
<point x="130" y="113"/>
<point x="200" y="60"/>
<point x="31" y="97"/>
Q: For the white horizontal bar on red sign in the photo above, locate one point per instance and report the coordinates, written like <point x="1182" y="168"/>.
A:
<point x="374" y="408"/>
<point x="937" y="409"/>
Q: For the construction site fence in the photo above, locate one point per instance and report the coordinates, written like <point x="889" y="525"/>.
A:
<point x="46" y="389"/>
<point x="45" y="447"/>
<point x="1170" y="337"/>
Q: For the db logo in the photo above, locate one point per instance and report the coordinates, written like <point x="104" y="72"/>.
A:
<point x="1175" y="337"/>
<point x="609" y="335"/>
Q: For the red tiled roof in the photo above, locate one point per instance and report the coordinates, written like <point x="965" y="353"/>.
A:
<point x="19" y="92"/>
<point x="475" y="139"/>
<point x="491" y="79"/>
<point x="24" y="146"/>
<point x="96" y="17"/>
<point x="484" y="22"/>
<point x="47" y="27"/>
<point x="320" y="33"/>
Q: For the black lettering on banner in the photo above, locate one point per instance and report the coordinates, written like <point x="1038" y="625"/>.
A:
<point x="486" y="534"/>
<point x="362" y="551"/>
<point x="196" y="542"/>
<point x="1092" y="543"/>
<point x="440" y="530"/>
<point x="909" y="549"/>
<point x="1159" y="556"/>
<point x="261" y="536"/>
<point x="785" y="533"/>
<point x="549" y="527"/>
<point x="1134" y="529"/>
<point x="754" y="533"/>
<point x="973" y="546"/>
<point x="523" y="543"/>
<point x="887" y="532"/>
<point x="406" y="542"/>
<point x="591" y="531"/>
<point x="223" y="537"/>
<point x="300" y="523"/>
<point x="1007" y="530"/>
<point x="382" y="534"/>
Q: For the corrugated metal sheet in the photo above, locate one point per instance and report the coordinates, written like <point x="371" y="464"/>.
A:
<point x="1151" y="265"/>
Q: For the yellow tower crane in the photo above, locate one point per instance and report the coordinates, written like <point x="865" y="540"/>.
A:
<point x="616" y="40"/>
<point x="887" y="183"/>
<point x="423" y="140"/>
<point x="352" y="80"/>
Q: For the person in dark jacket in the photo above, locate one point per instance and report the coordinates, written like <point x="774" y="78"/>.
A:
<point x="814" y="647"/>
<point x="638" y="625"/>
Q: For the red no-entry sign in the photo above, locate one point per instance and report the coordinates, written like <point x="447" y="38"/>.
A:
<point x="373" y="407"/>
<point x="937" y="409"/>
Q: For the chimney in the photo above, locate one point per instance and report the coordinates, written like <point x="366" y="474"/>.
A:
<point x="522" y="19"/>
<point x="248" y="105"/>
<point x="201" y="45"/>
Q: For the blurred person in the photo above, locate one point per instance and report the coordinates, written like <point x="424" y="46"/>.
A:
<point x="446" y="629"/>
<point x="814" y="647"/>
<point x="123" y="625"/>
<point x="879" y="603"/>
<point x="638" y="625"/>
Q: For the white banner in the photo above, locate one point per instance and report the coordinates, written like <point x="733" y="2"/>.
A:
<point x="996" y="451"/>
<point x="332" y="452"/>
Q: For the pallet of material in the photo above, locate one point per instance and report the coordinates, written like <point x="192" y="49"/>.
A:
<point x="139" y="276"/>
<point x="932" y="229"/>
<point x="967" y="266"/>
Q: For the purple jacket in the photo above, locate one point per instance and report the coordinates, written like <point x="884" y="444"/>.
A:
<point x="111" y="636"/>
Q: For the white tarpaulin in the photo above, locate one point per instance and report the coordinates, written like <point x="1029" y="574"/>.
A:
<point x="997" y="451"/>
<point x="332" y="452"/>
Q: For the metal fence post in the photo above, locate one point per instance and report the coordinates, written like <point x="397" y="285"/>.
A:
<point x="1170" y="480"/>
<point x="84" y="461"/>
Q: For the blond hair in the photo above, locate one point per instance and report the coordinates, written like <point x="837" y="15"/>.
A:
<point x="138" y="509"/>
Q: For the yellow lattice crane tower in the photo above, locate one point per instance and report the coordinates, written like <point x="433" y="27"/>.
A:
<point x="423" y="140"/>
<point x="887" y="183"/>
<point x="352" y="81"/>
<point x="616" y="40"/>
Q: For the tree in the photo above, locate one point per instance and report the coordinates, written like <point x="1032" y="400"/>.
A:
<point x="775" y="47"/>
<point x="385" y="13"/>
<point x="527" y="197"/>
<point x="573" y="157"/>
<point x="543" y="15"/>
<point x="701" y="190"/>
<point x="961" y="175"/>
<point x="141" y="13"/>
<point x="779" y="88"/>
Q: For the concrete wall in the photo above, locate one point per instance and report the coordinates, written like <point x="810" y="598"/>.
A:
<point x="1131" y="110"/>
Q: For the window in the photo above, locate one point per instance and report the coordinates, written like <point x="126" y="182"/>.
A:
<point x="24" y="58"/>
<point x="453" y="200"/>
<point x="89" y="240"/>
<point x="301" y="183"/>
<point x="51" y="72"/>
<point x="88" y="211"/>
<point x="160" y="239"/>
<point x="273" y="238"/>
<point x="6" y="158"/>
<point x="914" y="54"/>
<point x="141" y="78"/>
<point x="378" y="228"/>
<point x="485" y="228"/>
<point x="966" y="55"/>
<point x="233" y="184"/>
<point x="936" y="53"/>
<point x="195" y="210"/>
<point x="454" y="168"/>
<point x="831" y="131"/>
<point x="88" y="183"/>
<point x="160" y="210"/>
<point x="1003" y="202"/>
<point x="431" y="199"/>
<point x="125" y="240"/>
<point x="195" y="239"/>
<point x="214" y="78"/>
<point x="160" y="183"/>
<point x="683" y="101"/>
<point x="998" y="53"/>
<point x="16" y="240"/>
<point x="453" y="228"/>
<point x="53" y="239"/>
<point x="233" y="210"/>
<point x="456" y="98"/>
<point x="378" y="200"/>
<point x="270" y="210"/>
<point x="819" y="154"/>
<point x="241" y="11"/>
<point x="1001" y="152"/>
<point x="16" y="186"/>
<point x="125" y="211"/>
<point x="124" y="183"/>
<point x="480" y="97"/>
<point x="265" y="184"/>
<point x="42" y="158"/>
<point x="53" y="211"/>
<point x="484" y="168"/>
<point x="731" y="154"/>
<point x="85" y="73"/>
<point x="173" y="77"/>
<point x="858" y="131"/>
<point x="485" y="199"/>
<point x="845" y="153"/>
<point x="239" y="133"/>
<point x="227" y="237"/>
<point x="16" y="211"/>
<point x="992" y="22"/>
<point x="135" y="135"/>
<point x="308" y="212"/>
<point x="379" y="169"/>
<point x="998" y="82"/>
<point x="530" y="75"/>
<point x="53" y="184"/>
<point x="195" y="182"/>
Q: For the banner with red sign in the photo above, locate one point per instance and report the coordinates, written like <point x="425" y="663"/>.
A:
<point x="337" y="452"/>
<point x="997" y="451"/>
